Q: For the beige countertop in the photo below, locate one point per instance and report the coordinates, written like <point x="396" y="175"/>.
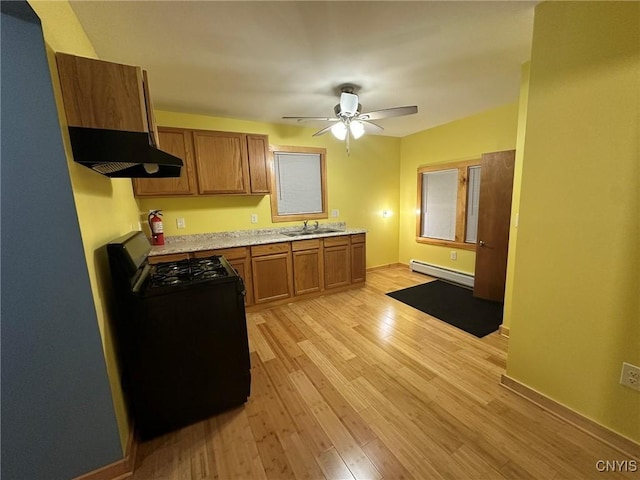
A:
<point x="244" y="238"/>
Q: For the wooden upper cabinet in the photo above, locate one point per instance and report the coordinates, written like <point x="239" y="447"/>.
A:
<point x="221" y="162"/>
<point x="154" y="135"/>
<point x="176" y="142"/>
<point x="99" y="94"/>
<point x="257" y="148"/>
<point x="230" y="162"/>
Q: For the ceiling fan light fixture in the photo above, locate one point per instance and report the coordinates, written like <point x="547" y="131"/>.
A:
<point x="339" y="130"/>
<point x="348" y="104"/>
<point x="357" y="129"/>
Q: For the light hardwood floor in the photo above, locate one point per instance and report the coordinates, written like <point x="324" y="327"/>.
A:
<point x="358" y="385"/>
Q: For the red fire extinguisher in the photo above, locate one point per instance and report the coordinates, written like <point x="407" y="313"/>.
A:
<point x="155" y="224"/>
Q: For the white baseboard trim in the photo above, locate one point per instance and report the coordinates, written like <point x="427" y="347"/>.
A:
<point x="440" y="272"/>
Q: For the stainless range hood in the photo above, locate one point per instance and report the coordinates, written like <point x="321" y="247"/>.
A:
<point x="121" y="154"/>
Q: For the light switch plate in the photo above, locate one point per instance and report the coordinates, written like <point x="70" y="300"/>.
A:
<point x="335" y="213"/>
<point x="180" y="222"/>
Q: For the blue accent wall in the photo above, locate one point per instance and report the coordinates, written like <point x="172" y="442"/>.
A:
<point x="58" y="418"/>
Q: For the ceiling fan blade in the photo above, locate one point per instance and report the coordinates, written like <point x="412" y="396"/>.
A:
<point x="371" y="127"/>
<point x="389" y="112"/>
<point x="312" y="119"/>
<point x="323" y="131"/>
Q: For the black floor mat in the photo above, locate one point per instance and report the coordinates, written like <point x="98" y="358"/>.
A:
<point x="453" y="304"/>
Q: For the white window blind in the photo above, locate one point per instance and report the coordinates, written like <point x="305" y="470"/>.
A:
<point x="473" y="200"/>
<point x="298" y="183"/>
<point x="439" y="199"/>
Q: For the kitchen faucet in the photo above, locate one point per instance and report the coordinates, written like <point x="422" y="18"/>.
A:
<point x="305" y="227"/>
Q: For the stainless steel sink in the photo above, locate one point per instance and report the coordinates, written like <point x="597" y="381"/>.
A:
<point x="319" y="231"/>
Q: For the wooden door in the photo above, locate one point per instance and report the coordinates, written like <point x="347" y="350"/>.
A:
<point x="272" y="274"/>
<point x="221" y="159"/>
<point x="99" y="94"/>
<point x="337" y="262"/>
<point x="257" y="148"/>
<point x="177" y="142"/>
<point x="494" y="215"/>
<point x="358" y="258"/>
<point x="306" y="271"/>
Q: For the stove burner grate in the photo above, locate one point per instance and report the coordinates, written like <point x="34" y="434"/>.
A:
<point x="186" y="271"/>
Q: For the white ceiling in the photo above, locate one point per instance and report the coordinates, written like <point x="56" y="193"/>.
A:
<point x="268" y="59"/>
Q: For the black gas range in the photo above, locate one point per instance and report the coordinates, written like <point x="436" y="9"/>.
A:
<point x="181" y="336"/>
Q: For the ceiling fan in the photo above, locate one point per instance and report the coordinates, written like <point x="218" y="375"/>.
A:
<point x="350" y="121"/>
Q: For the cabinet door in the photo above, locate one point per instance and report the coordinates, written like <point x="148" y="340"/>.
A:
<point x="99" y="94"/>
<point x="243" y="267"/>
<point x="271" y="277"/>
<point x="221" y="160"/>
<point x="307" y="271"/>
<point x="238" y="258"/>
<point x="257" y="148"/>
<point x="358" y="262"/>
<point x="176" y="142"/>
<point x="337" y="269"/>
<point x="151" y="117"/>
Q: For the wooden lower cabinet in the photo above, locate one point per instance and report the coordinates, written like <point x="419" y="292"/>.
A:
<point x="307" y="266"/>
<point x="358" y="258"/>
<point x="272" y="270"/>
<point x="337" y="262"/>
<point x="240" y="260"/>
<point x="282" y="270"/>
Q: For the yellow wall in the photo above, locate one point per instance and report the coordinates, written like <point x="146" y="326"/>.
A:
<point x="468" y="138"/>
<point x="105" y="207"/>
<point x="515" y="199"/>
<point x="361" y="186"/>
<point x="576" y="286"/>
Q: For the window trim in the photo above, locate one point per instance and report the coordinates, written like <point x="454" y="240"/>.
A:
<point x="275" y="217"/>
<point x="461" y="205"/>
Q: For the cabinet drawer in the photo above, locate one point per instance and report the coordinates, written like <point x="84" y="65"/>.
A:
<point x="335" y="241"/>
<point x="228" y="253"/>
<point x="358" y="238"/>
<point x="271" y="248"/>
<point x="305" y="244"/>
<point x="173" y="257"/>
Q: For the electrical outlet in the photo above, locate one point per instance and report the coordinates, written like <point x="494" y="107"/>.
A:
<point x="180" y="222"/>
<point x="630" y="376"/>
<point x="254" y="218"/>
<point x="454" y="255"/>
<point x="335" y="213"/>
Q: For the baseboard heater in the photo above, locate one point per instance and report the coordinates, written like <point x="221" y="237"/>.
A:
<point x="439" y="272"/>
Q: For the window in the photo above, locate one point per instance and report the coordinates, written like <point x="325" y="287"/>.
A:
<point x="448" y="204"/>
<point x="299" y="180"/>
